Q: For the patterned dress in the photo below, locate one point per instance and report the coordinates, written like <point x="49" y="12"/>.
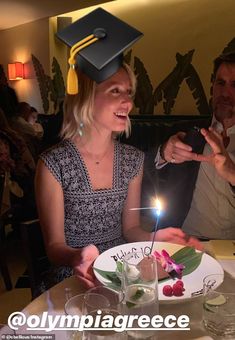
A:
<point x="92" y="216"/>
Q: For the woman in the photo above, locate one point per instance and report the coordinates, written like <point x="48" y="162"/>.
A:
<point x="87" y="184"/>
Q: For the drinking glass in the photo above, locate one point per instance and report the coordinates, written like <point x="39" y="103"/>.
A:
<point x="75" y="306"/>
<point x="219" y="306"/>
<point x="140" y="286"/>
<point x="107" y="302"/>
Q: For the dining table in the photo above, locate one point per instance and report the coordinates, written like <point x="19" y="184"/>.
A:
<point x="54" y="299"/>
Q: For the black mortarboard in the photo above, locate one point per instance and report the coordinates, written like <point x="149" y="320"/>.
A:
<point x="97" y="43"/>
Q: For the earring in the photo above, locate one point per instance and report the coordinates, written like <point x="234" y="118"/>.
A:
<point x="81" y="125"/>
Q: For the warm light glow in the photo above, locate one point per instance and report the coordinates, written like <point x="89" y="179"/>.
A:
<point x="158" y="206"/>
<point x="16" y="71"/>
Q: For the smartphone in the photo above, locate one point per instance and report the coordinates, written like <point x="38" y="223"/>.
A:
<point x="195" y="139"/>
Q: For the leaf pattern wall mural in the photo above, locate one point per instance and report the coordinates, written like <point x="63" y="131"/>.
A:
<point x="168" y="89"/>
<point x="230" y="47"/>
<point x="147" y="98"/>
<point x="166" y="92"/>
<point x="43" y="82"/>
<point x="57" y="85"/>
<point x="51" y="90"/>
<point x="144" y="99"/>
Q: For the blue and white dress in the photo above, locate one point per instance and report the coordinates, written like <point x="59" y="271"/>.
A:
<point x="92" y="216"/>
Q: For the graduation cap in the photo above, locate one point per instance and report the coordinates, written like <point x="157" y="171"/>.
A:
<point x="97" y="43"/>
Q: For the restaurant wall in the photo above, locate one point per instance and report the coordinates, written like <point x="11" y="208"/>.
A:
<point x="17" y="44"/>
<point x="171" y="27"/>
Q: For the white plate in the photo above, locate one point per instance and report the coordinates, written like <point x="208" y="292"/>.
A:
<point x="192" y="282"/>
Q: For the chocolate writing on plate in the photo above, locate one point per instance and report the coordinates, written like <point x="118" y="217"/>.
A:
<point x="121" y="253"/>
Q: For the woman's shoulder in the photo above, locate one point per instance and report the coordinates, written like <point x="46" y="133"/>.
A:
<point x="132" y="160"/>
<point x="56" y="150"/>
<point x="130" y="149"/>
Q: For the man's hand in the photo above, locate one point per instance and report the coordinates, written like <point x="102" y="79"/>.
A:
<point x="219" y="157"/>
<point x="176" y="151"/>
<point x="176" y="235"/>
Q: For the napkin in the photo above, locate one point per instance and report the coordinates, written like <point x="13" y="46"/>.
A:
<point x="223" y="249"/>
<point x="228" y="266"/>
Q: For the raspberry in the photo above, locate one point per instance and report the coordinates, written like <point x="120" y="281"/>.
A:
<point x="177" y="290"/>
<point x="179" y="283"/>
<point x="167" y="290"/>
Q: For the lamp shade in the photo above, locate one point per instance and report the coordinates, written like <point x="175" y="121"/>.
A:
<point x="16" y="71"/>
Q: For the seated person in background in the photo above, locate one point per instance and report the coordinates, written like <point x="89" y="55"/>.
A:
<point x="7" y="166"/>
<point x="6" y="162"/>
<point x="24" y="160"/>
<point x="87" y="184"/>
<point x="17" y="161"/>
<point x="22" y="122"/>
<point x="199" y="200"/>
<point x="219" y="157"/>
<point x="52" y="125"/>
<point x="33" y="120"/>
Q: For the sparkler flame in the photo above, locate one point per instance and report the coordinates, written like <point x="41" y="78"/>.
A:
<point x="158" y="206"/>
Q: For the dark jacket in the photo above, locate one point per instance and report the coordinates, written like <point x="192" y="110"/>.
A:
<point x="174" y="184"/>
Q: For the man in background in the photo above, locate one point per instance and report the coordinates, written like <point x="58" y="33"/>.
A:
<point x="196" y="198"/>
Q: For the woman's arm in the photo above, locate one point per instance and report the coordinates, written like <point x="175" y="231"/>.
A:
<point x="50" y="203"/>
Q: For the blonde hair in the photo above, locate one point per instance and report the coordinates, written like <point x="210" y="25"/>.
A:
<point x="79" y="108"/>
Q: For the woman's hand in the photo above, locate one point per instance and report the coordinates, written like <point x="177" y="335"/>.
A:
<point x="83" y="269"/>
<point x="176" y="235"/>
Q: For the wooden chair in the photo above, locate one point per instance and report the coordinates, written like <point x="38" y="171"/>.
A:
<point x="35" y="254"/>
<point x="3" y="221"/>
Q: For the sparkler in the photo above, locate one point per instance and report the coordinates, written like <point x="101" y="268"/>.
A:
<point x="158" y="208"/>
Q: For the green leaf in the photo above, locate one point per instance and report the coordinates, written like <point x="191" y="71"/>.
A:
<point x="182" y="253"/>
<point x="113" y="286"/>
<point x="111" y="276"/>
<point x="130" y="304"/>
<point x="138" y="294"/>
<point x="119" y="266"/>
<point x="189" y="258"/>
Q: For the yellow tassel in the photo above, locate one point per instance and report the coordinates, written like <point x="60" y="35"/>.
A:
<point x="72" y="80"/>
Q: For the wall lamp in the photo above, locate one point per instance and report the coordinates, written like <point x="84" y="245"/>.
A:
<point x="16" y="71"/>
